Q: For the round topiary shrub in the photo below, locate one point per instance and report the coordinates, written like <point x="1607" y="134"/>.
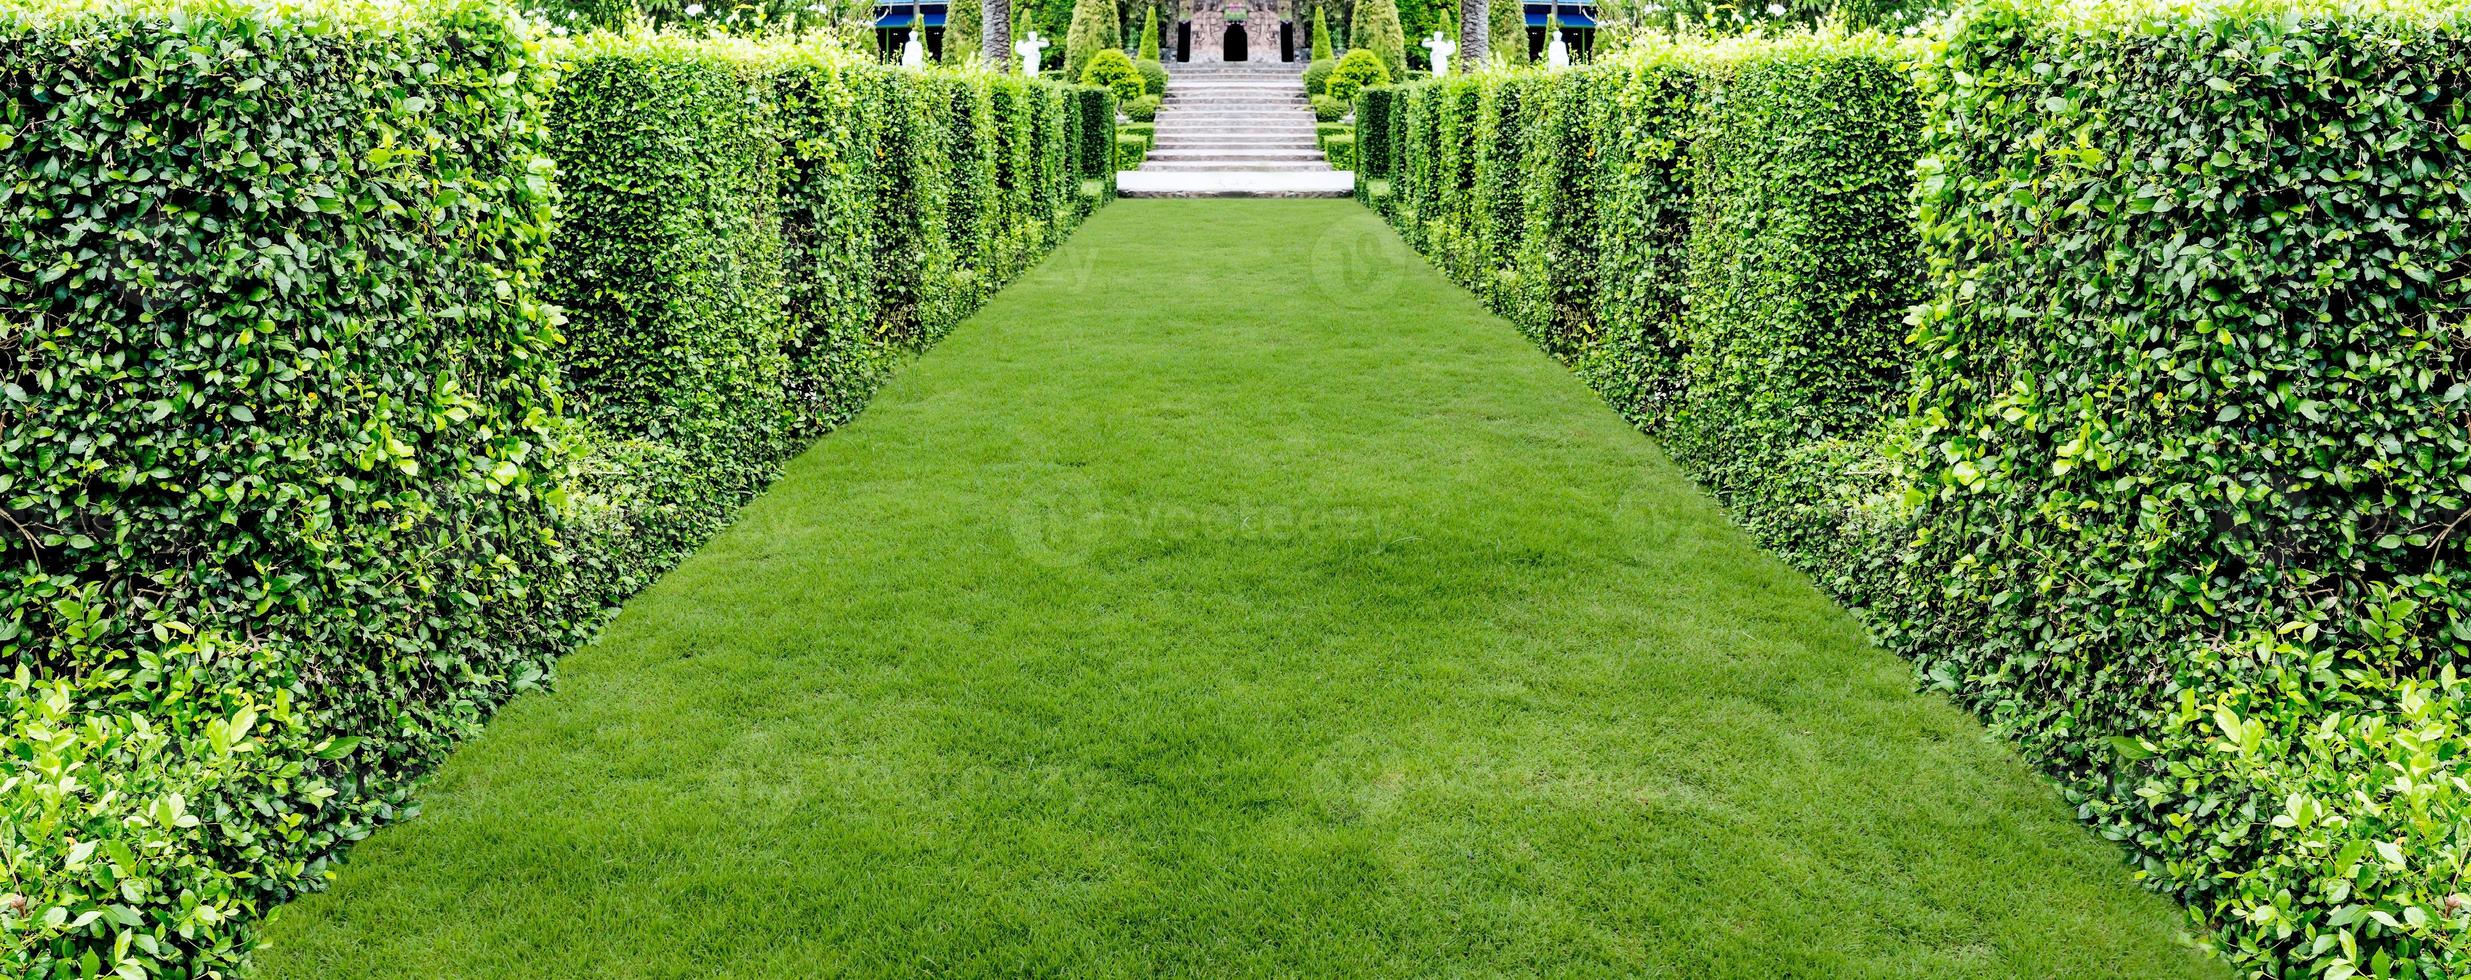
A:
<point x="1153" y="76"/>
<point x="1143" y="109"/>
<point x="1360" y="69"/>
<point x="1111" y="69"/>
<point x="1317" y="75"/>
<point x="1327" y="109"/>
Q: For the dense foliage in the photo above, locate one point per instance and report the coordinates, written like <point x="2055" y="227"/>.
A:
<point x="1375" y="29"/>
<point x="1355" y="71"/>
<point x="277" y="450"/>
<point x="1802" y="264"/>
<point x="1113" y="71"/>
<point x="1095" y="27"/>
<point x="2163" y="485"/>
<point x="2189" y="451"/>
<point x="302" y="477"/>
<point x="1153" y="76"/>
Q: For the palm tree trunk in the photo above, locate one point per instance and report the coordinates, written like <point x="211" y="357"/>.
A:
<point x="995" y="32"/>
<point x="1475" y="30"/>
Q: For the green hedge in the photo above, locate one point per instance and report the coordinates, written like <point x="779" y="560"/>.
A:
<point x="1615" y="301"/>
<point x="2166" y="482"/>
<point x="668" y="263"/>
<point x="278" y="450"/>
<point x="304" y="477"/>
<point x="2189" y="452"/>
<point x="1802" y="263"/>
<point x="1373" y="110"/>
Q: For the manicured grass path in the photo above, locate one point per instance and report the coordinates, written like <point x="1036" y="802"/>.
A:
<point x="1231" y="597"/>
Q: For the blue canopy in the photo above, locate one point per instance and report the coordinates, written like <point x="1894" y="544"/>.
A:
<point x="1570" y="17"/>
<point x="894" y="14"/>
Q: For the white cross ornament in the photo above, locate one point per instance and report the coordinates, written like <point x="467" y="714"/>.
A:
<point x="1028" y="48"/>
<point x="1442" y="49"/>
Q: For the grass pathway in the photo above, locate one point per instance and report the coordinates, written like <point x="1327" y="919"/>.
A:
<point x="1233" y="596"/>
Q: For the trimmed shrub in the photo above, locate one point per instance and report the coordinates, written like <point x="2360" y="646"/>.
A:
<point x="677" y="333"/>
<point x="307" y="484"/>
<point x="1328" y="108"/>
<point x="2188" y="454"/>
<point x="1497" y="218"/>
<point x="1507" y="30"/>
<point x="1130" y="150"/>
<point x="1113" y="71"/>
<point x="1358" y="70"/>
<point x="1094" y="135"/>
<point x="1096" y="26"/>
<point x="1616" y="299"/>
<point x="1321" y="38"/>
<point x="2172" y="496"/>
<point x="1143" y="109"/>
<point x="1317" y="76"/>
<point x="279" y="456"/>
<point x="1153" y="77"/>
<point x="963" y="21"/>
<point x="1340" y="150"/>
<point x="1149" y="39"/>
<point x="1375" y="30"/>
<point x="1803" y="262"/>
<point x="1374" y="108"/>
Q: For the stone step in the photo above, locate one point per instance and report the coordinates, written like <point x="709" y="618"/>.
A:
<point x="1234" y="115"/>
<point x="1278" y="143"/>
<point x="1178" y="155"/>
<point x="1273" y="140"/>
<point x="1325" y="183"/>
<point x="1232" y="166"/>
<point x="1282" y="97"/>
<point x="1282" y="134"/>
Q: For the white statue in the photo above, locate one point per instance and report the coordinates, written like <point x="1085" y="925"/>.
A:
<point x="1442" y="48"/>
<point x="1557" y="56"/>
<point x="1028" y="48"/>
<point x="913" y="54"/>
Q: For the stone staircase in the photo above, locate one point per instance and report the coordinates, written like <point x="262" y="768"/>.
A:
<point x="1235" y="130"/>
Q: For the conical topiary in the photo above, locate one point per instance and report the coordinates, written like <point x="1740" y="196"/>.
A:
<point x="1149" y="35"/>
<point x="1510" y="32"/>
<point x="961" y="32"/>
<point x="1377" y="31"/>
<point x="1321" y="34"/>
<point x="1095" y="28"/>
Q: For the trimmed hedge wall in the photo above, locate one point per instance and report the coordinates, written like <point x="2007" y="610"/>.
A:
<point x="302" y="477"/>
<point x="279" y="450"/>
<point x="2189" y="452"/>
<point x="2166" y="483"/>
<point x="1802" y="263"/>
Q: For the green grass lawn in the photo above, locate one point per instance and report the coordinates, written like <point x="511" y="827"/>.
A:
<point x="1233" y="596"/>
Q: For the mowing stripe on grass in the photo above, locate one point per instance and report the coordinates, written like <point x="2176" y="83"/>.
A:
<point x="1233" y="596"/>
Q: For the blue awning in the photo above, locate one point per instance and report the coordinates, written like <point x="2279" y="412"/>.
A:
<point x="901" y="20"/>
<point x="1570" y="18"/>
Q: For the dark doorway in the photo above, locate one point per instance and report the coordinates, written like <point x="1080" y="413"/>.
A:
<point x="1232" y="48"/>
<point x="1183" y="40"/>
<point x="1286" y="40"/>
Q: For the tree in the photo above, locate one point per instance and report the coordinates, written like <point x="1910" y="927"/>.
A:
<point x="1149" y="35"/>
<point x="1475" y="26"/>
<point x="1377" y="31"/>
<point x="1095" y="27"/>
<point x="995" y="32"/>
<point x="961" y="27"/>
<point x="1321" y="35"/>
<point x="1509" y="32"/>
